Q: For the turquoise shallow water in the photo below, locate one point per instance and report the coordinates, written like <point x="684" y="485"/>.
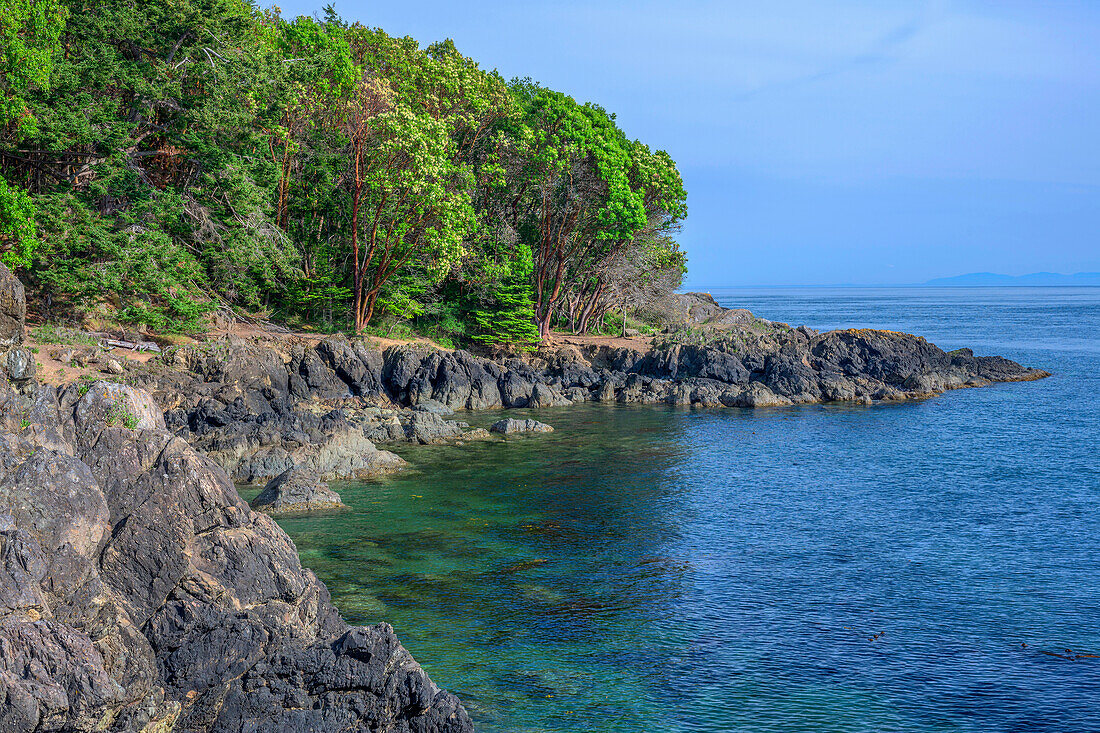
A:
<point x="825" y="568"/>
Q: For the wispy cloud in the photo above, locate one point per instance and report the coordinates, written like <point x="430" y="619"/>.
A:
<point x="882" y="50"/>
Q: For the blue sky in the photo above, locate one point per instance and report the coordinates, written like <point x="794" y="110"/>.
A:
<point x="828" y="142"/>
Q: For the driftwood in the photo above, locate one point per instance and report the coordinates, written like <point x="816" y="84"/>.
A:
<point x="131" y="345"/>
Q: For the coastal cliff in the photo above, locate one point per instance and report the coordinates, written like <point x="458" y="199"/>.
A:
<point x="138" y="592"/>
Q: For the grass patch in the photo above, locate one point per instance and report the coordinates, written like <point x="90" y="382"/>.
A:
<point x="51" y="334"/>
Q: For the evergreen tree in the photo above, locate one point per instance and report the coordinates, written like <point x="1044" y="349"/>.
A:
<point x="506" y="314"/>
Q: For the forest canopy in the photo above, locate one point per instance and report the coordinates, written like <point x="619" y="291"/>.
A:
<point x="162" y="161"/>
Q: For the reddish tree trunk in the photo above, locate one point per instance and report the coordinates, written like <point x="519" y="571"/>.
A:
<point x="357" y="277"/>
<point x="586" y="314"/>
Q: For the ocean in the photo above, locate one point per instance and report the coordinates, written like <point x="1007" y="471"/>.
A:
<point x="926" y="566"/>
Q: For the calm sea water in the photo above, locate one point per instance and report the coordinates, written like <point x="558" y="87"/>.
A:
<point x="829" y="568"/>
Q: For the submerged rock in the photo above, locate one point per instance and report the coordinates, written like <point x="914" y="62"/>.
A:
<point x="511" y="425"/>
<point x="296" y="490"/>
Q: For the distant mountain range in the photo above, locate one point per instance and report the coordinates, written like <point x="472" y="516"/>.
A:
<point x="1035" y="278"/>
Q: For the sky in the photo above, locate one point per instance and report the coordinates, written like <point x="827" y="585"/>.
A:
<point x="827" y="142"/>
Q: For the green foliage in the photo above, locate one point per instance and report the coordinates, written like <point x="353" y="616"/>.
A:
<point x="29" y="34"/>
<point x="416" y="194"/>
<point x="18" y="237"/>
<point x="180" y="157"/>
<point x="504" y="313"/>
<point x="119" y="415"/>
<point x="146" y="276"/>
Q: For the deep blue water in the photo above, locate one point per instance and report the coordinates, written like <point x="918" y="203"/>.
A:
<point x="906" y="567"/>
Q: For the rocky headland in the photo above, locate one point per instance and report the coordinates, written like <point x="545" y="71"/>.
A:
<point x="141" y="593"/>
<point x="258" y="408"/>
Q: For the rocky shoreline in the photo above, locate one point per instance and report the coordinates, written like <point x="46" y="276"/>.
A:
<point x="258" y="410"/>
<point x="140" y="592"/>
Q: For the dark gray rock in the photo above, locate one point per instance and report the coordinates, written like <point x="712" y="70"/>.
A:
<point x="294" y="491"/>
<point x="787" y="374"/>
<point x="13" y="309"/>
<point x="241" y="364"/>
<point x="606" y="392"/>
<point x="310" y="376"/>
<point x="515" y="391"/>
<point x="699" y="361"/>
<point x="20" y="366"/>
<point x="406" y="371"/>
<point x="546" y="395"/>
<point x="511" y="425"/>
<point x="354" y="364"/>
<point x="139" y="593"/>
<point x="428" y="428"/>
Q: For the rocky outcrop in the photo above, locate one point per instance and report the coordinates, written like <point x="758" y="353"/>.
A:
<point x="427" y="428"/>
<point x="689" y="310"/>
<point x="294" y="491"/>
<point x="138" y="592"/>
<point x="257" y="446"/>
<point x="510" y="426"/>
<point x="258" y="411"/>
<point x="16" y="363"/>
<point x="13" y="309"/>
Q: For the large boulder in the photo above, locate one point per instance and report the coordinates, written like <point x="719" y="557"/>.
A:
<point x="515" y="389"/>
<point x="407" y="372"/>
<point x="109" y="403"/>
<point x="20" y="366"/>
<point x="310" y="376"/>
<point x="294" y="491"/>
<point x="236" y="363"/>
<point x="710" y="363"/>
<point x="359" y="367"/>
<point x="465" y="381"/>
<point x="265" y="451"/>
<point x="427" y="428"/>
<point x="681" y="310"/>
<point x="511" y="425"/>
<point x="13" y="309"/>
<point x="349" y="455"/>
<point x="546" y="395"/>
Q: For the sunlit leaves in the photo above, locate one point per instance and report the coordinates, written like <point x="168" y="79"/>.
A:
<point x="29" y="34"/>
